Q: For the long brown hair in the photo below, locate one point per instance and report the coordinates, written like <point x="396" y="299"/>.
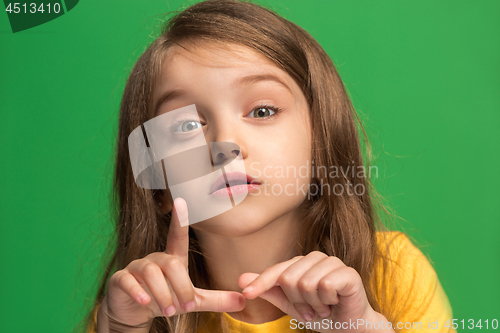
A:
<point x="339" y="225"/>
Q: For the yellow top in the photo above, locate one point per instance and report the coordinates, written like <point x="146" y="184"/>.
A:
<point x="414" y="295"/>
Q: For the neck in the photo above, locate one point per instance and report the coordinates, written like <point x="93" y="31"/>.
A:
<point x="227" y="258"/>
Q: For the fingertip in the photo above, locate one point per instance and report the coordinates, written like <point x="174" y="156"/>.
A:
<point x="248" y="289"/>
<point x="180" y="207"/>
<point x="143" y="298"/>
<point x="246" y="295"/>
<point x="246" y="279"/>
<point x="241" y="302"/>
<point x="179" y="202"/>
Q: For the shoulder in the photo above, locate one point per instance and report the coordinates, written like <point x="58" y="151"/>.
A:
<point x="395" y="242"/>
<point x="405" y="258"/>
<point x="407" y="282"/>
<point x="401" y="262"/>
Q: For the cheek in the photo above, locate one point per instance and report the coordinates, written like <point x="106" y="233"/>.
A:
<point x="285" y="167"/>
<point x="293" y="148"/>
<point x="290" y="183"/>
<point x="286" y="144"/>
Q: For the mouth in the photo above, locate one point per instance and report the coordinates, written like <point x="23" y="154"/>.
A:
<point x="237" y="182"/>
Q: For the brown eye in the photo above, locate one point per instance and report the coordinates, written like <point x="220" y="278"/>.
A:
<point x="262" y="112"/>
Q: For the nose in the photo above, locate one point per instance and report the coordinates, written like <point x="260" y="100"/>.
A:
<point x="223" y="153"/>
<point x="225" y="135"/>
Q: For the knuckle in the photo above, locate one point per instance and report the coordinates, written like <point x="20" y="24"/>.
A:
<point x="335" y="260"/>
<point x="317" y="254"/>
<point x="114" y="278"/>
<point x="121" y="278"/>
<point x="325" y="284"/>
<point x="285" y="280"/>
<point x="354" y="274"/>
<point x="150" y="268"/>
<point x="306" y="285"/>
<point x="174" y="263"/>
<point x="134" y="263"/>
<point x="351" y="271"/>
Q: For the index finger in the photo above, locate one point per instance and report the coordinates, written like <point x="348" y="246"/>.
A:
<point x="178" y="236"/>
<point x="268" y="279"/>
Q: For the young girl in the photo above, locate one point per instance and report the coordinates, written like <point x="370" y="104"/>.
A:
<point x="284" y="259"/>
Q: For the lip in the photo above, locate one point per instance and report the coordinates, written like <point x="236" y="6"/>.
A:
<point x="219" y="187"/>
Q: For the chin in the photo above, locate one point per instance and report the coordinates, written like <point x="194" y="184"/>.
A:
<point x="249" y="216"/>
<point x="242" y="220"/>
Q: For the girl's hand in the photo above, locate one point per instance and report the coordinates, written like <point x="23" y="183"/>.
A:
<point x="314" y="288"/>
<point x="159" y="284"/>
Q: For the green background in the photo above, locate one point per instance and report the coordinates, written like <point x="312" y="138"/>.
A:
<point x="424" y="76"/>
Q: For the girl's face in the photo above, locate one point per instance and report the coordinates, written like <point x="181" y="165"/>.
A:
<point x="244" y="98"/>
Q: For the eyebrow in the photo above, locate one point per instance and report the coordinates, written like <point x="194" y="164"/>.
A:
<point x="247" y="80"/>
<point x="251" y="79"/>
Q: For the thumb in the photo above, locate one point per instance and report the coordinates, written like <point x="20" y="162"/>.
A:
<point x="246" y="278"/>
<point x="218" y="300"/>
<point x="275" y="295"/>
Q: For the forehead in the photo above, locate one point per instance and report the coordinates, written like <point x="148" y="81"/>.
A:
<point x="191" y="64"/>
<point x="214" y="54"/>
<point x="208" y="67"/>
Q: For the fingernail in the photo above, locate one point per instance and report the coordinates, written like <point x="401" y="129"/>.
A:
<point x="247" y="289"/>
<point x="324" y="314"/>
<point x="143" y="296"/>
<point x="189" y="306"/>
<point x="170" y="310"/>
<point x="307" y="316"/>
